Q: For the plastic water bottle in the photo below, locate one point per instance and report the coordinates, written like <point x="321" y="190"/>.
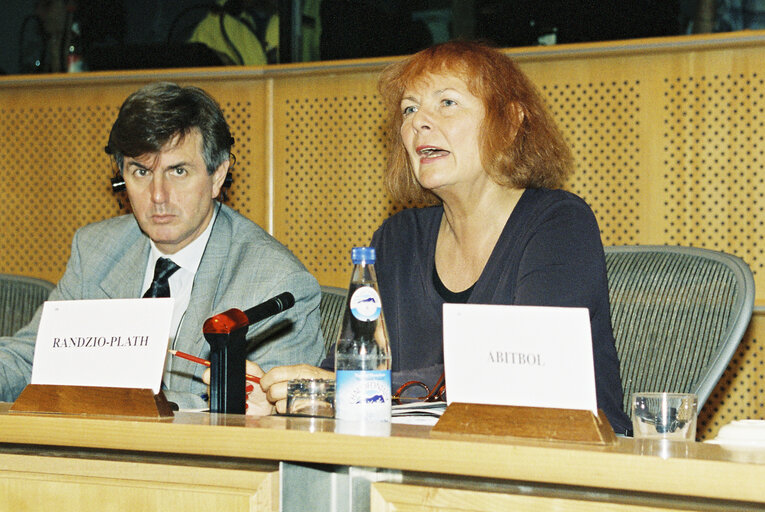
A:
<point x="362" y="353"/>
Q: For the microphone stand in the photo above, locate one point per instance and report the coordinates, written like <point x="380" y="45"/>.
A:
<point x="226" y="333"/>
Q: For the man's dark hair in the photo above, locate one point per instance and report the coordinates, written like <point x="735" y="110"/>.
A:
<point x="155" y="114"/>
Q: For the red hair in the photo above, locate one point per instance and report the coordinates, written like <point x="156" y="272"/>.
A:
<point x="522" y="147"/>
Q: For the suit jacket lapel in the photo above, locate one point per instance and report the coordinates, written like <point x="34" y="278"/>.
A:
<point x="125" y="278"/>
<point x="205" y="295"/>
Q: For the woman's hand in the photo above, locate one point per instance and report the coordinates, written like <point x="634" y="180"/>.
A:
<point x="274" y="382"/>
<point x="257" y="404"/>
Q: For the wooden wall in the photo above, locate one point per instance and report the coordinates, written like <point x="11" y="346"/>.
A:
<point x="667" y="134"/>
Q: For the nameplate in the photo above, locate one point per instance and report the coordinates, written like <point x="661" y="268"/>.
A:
<point x="507" y="424"/>
<point x="525" y="356"/>
<point x="92" y="401"/>
<point x="120" y="343"/>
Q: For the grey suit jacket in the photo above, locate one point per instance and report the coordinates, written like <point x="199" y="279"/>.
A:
<point x="241" y="267"/>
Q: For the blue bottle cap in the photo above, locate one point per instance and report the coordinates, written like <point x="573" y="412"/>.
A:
<point x="363" y="255"/>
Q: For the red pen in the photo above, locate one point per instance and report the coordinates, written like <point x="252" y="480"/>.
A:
<point x="199" y="360"/>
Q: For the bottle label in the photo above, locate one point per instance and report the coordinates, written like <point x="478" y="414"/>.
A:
<point x="362" y="395"/>
<point x="365" y="304"/>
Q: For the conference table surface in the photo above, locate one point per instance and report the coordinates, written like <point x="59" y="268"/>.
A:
<point x="699" y="470"/>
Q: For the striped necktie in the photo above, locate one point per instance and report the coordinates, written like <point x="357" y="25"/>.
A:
<point x="160" y="287"/>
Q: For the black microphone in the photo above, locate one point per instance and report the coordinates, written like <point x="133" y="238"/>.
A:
<point x="271" y="307"/>
<point x="234" y="319"/>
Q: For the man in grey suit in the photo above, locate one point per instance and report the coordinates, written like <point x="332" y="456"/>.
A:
<point x="172" y="146"/>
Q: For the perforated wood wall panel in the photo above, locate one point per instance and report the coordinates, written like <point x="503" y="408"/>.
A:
<point x="714" y="185"/>
<point x="329" y="155"/>
<point x="54" y="177"/>
<point x="244" y="103"/>
<point x="599" y="120"/>
<point x="740" y="393"/>
<point x="668" y="145"/>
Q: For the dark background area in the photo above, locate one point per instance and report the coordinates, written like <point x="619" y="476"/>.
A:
<point x="126" y="34"/>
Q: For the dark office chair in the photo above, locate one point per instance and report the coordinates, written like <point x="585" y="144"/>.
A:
<point x="678" y="314"/>
<point x="19" y="298"/>
<point x="332" y="307"/>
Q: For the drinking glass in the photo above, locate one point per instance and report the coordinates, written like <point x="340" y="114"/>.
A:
<point x="664" y="416"/>
<point x="311" y="397"/>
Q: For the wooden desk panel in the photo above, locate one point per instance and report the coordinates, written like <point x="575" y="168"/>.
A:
<point x="387" y="497"/>
<point x="689" y="471"/>
<point x="31" y="482"/>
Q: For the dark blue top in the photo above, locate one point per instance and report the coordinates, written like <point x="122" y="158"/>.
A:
<point x="549" y="254"/>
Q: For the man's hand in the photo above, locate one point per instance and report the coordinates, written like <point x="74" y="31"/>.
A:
<point x="271" y="394"/>
<point x="274" y="382"/>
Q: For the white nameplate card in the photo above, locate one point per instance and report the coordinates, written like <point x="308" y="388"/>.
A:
<point x="119" y="343"/>
<point x="519" y="355"/>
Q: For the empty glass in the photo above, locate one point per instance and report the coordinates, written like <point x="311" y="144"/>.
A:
<point x="664" y="416"/>
<point x="311" y="397"/>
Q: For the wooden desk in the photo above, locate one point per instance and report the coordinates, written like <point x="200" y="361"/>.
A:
<point x="197" y="461"/>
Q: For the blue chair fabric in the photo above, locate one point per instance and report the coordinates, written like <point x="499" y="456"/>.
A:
<point x="20" y="296"/>
<point x="331" y="310"/>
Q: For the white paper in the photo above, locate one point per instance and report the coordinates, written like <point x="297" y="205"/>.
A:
<point x="118" y="343"/>
<point x="417" y="413"/>
<point x="519" y="355"/>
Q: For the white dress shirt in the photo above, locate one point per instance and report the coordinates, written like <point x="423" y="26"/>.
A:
<point x="182" y="279"/>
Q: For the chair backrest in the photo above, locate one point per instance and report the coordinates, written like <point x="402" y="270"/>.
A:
<point x="332" y="307"/>
<point x="20" y="297"/>
<point x="678" y="314"/>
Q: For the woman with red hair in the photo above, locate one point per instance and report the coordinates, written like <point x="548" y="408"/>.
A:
<point x="470" y="135"/>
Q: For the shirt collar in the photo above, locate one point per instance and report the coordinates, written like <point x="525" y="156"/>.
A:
<point x="190" y="256"/>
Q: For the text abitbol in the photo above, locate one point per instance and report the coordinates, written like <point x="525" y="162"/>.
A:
<point x="518" y="358"/>
<point x="101" y="341"/>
